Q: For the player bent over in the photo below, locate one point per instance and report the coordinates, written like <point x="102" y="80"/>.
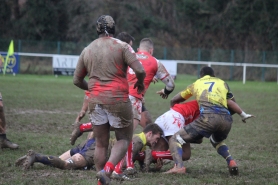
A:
<point x="214" y="122"/>
<point x="173" y="120"/>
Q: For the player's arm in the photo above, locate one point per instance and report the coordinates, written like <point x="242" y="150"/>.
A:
<point x="166" y="78"/>
<point x="181" y="96"/>
<point x="80" y="73"/>
<point x="236" y="108"/>
<point x="83" y="109"/>
<point x="233" y="107"/>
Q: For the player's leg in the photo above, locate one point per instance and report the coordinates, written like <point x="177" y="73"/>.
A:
<point x="182" y="137"/>
<point x="146" y="117"/>
<point x="32" y="157"/>
<point x="66" y="155"/>
<point x="4" y="142"/>
<point x="136" y="110"/>
<point x="120" y="117"/>
<point x="217" y="141"/>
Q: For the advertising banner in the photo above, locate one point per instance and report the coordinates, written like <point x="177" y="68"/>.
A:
<point x="64" y="64"/>
<point x="12" y="66"/>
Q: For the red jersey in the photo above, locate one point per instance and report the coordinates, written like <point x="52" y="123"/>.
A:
<point x="189" y="110"/>
<point x="105" y="61"/>
<point x="150" y="65"/>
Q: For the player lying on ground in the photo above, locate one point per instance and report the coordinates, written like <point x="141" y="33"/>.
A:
<point x="80" y="157"/>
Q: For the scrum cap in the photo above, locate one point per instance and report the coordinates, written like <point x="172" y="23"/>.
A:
<point x="105" y="24"/>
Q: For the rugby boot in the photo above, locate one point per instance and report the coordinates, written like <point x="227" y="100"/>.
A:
<point x="6" y="143"/>
<point x="20" y="161"/>
<point x="130" y="171"/>
<point x="121" y="177"/>
<point x="176" y="170"/>
<point x="75" y="133"/>
<point x="233" y="168"/>
<point x="30" y="159"/>
<point x="103" y="178"/>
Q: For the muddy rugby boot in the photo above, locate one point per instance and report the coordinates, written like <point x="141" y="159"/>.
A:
<point x="121" y="177"/>
<point x="130" y="171"/>
<point x="6" y="143"/>
<point x="75" y="133"/>
<point x="20" y="161"/>
<point x="103" y="178"/>
<point x="30" y="159"/>
<point x="233" y="168"/>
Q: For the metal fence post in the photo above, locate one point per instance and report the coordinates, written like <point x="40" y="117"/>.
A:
<point x="199" y="59"/>
<point x="263" y="69"/>
<point x="19" y="50"/>
<point x="165" y="53"/>
<point x="232" y="67"/>
<point x="58" y="47"/>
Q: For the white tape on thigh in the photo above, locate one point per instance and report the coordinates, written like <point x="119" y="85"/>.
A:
<point x="69" y="160"/>
<point x="180" y="140"/>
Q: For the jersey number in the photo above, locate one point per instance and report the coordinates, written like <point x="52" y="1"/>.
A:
<point x="211" y="85"/>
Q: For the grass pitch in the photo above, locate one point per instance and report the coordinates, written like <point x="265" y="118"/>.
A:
<point x="40" y="110"/>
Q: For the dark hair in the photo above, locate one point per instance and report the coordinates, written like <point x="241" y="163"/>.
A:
<point x="105" y="24"/>
<point x="154" y="128"/>
<point x="125" y="37"/>
<point x="207" y="71"/>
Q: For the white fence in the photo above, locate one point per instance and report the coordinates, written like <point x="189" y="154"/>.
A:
<point x="175" y="62"/>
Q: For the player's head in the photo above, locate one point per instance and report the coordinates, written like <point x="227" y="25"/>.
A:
<point x="125" y="37"/>
<point x="146" y="44"/>
<point x="207" y="71"/>
<point x="105" y="24"/>
<point x="153" y="132"/>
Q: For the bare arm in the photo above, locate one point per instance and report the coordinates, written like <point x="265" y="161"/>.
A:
<point x="176" y="99"/>
<point x="166" y="78"/>
<point x="236" y="108"/>
<point x="80" y="73"/>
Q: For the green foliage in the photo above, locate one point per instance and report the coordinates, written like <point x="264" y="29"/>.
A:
<point x="232" y="24"/>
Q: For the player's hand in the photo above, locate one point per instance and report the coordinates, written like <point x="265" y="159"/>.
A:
<point x="162" y="94"/>
<point x="154" y="80"/>
<point x="159" y="164"/>
<point x="247" y="116"/>
<point x="140" y="87"/>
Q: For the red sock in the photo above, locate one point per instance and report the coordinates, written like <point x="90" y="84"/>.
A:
<point x="129" y="160"/>
<point x="109" y="167"/>
<point x="85" y="127"/>
<point x="162" y="155"/>
<point x="140" y="156"/>
<point x="119" y="166"/>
